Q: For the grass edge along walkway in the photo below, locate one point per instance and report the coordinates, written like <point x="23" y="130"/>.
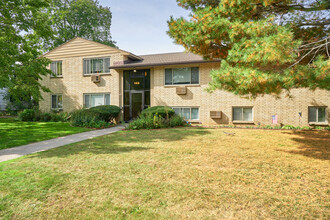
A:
<point x="16" y="152"/>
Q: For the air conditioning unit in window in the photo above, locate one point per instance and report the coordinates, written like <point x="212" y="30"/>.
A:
<point x="215" y="114"/>
<point x="181" y="90"/>
<point x="96" y="78"/>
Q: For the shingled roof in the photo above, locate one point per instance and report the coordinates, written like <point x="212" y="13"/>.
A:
<point x="162" y="60"/>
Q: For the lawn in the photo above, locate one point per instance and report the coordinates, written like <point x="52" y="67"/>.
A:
<point x="173" y="174"/>
<point x="15" y="133"/>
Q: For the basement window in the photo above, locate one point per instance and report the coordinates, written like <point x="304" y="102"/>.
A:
<point x="317" y="114"/>
<point x="243" y="114"/>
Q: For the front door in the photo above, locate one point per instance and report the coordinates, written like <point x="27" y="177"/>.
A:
<point x="136" y="103"/>
<point x="136" y="92"/>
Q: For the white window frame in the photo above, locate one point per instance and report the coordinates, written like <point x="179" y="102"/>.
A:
<point x="190" y="67"/>
<point x="105" y="70"/>
<point x="243" y="121"/>
<point x="317" y="115"/>
<point x="55" y="74"/>
<point x="51" y="101"/>
<point x="190" y="107"/>
<point x="90" y="98"/>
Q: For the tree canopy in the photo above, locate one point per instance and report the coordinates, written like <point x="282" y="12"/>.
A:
<point x="80" y="18"/>
<point x="265" y="46"/>
<point x="24" y="27"/>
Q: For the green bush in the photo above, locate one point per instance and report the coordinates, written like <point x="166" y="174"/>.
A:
<point x="96" y="117"/>
<point x="162" y="111"/>
<point x="84" y="118"/>
<point x="155" y="121"/>
<point x="291" y="127"/>
<point x="176" y="121"/>
<point x="29" y="115"/>
<point x="36" y="115"/>
<point x="45" y="117"/>
<point x="106" y="112"/>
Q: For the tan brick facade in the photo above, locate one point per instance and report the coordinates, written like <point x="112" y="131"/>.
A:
<point x="287" y="109"/>
<point x="74" y="84"/>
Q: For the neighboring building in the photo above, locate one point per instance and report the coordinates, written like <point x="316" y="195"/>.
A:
<point x="3" y="101"/>
<point x="177" y="80"/>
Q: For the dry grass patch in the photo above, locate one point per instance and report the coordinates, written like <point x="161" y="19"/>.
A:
<point x="174" y="173"/>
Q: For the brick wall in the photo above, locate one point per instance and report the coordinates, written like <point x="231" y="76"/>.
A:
<point x="287" y="109"/>
<point x="74" y="84"/>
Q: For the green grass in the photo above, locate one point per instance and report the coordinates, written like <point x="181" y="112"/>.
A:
<point x="173" y="174"/>
<point x="15" y="133"/>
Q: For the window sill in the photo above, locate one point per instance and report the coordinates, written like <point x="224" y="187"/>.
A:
<point x="186" y="85"/>
<point x="195" y="121"/>
<point x="57" y="109"/>
<point x="56" y="77"/>
<point x="101" y="74"/>
<point x="243" y="122"/>
<point x="319" y="123"/>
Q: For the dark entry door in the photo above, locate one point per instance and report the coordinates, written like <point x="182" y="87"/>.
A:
<point x="136" y="92"/>
<point x="137" y="103"/>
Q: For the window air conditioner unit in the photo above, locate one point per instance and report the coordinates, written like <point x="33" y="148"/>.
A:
<point x="181" y="90"/>
<point x="96" y="78"/>
<point x="215" y="114"/>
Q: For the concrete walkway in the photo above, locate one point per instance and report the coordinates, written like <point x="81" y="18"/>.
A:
<point x="15" y="152"/>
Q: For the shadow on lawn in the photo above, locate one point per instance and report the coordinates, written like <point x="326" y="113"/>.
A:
<point x="315" y="144"/>
<point x="123" y="142"/>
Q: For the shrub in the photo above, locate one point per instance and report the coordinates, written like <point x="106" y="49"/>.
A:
<point x="45" y="117"/>
<point x="162" y="111"/>
<point x="154" y="121"/>
<point x="291" y="127"/>
<point x="84" y="118"/>
<point x="96" y="117"/>
<point x="106" y="112"/>
<point x="176" y="121"/>
<point x="29" y="115"/>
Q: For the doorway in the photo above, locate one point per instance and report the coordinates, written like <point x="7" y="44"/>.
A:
<point x="136" y="103"/>
<point x="136" y="92"/>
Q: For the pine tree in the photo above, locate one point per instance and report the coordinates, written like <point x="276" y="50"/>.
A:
<point x="265" y="46"/>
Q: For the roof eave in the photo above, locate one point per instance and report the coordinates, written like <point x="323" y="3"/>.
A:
<point x="131" y="66"/>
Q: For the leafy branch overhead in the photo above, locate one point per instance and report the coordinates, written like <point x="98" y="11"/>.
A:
<point x="265" y="45"/>
<point x="80" y="18"/>
<point x="24" y="27"/>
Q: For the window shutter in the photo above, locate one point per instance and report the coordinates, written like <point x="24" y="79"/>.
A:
<point x="168" y="76"/>
<point x="194" y="75"/>
<point x="106" y="63"/>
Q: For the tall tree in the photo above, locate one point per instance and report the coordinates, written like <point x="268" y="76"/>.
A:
<point x="82" y="18"/>
<point x="24" y="28"/>
<point x="265" y="45"/>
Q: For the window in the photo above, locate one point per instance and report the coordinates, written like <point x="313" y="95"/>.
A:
<point x="56" y="68"/>
<point x="316" y="114"/>
<point x="187" y="112"/>
<point x="242" y="114"/>
<point x="96" y="65"/>
<point x="57" y="101"/>
<point x="92" y="100"/>
<point x="179" y="76"/>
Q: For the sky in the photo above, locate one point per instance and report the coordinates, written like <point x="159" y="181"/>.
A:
<point x="139" y="26"/>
